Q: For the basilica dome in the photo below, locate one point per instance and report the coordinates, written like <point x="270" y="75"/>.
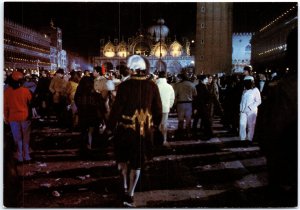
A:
<point x="159" y="31"/>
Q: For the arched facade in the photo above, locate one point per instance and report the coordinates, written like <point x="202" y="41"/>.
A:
<point x="176" y="49"/>
<point x="162" y="54"/>
<point x="122" y="50"/>
<point x="159" y="48"/>
<point x="109" y="50"/>
<point x="140" y="46"/>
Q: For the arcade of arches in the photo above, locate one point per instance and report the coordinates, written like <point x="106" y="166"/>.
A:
<point x="163" y="53"/>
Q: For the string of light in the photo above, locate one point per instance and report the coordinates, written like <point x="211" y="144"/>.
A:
<point x="27" y="60"/>
<point x="279" y="48"/>
<point x="276" y="19"/>
<point x="26" y="45"/>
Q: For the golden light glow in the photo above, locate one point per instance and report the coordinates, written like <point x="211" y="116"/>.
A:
<point x="109" y="54"/>
<point x="163" y="52"/>
<point x="176" y="49"/>
<point x="160" y="49"/>
<point x="122" y="50"/>
<point x="123" y="54"/>
<point x="109" y="50"/>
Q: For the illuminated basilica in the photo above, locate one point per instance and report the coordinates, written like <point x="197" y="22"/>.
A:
<point x="161" y="51"/>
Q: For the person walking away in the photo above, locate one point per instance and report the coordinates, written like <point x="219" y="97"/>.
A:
<point x="102" y="86"/>
<point x="137" y="110"/>
<point x="201" y="108"/>
<point x="91" y="111"/>
<point x="58" y="89"/>
<point x="250" y="101"/>
<point x="16" y="113"/>
<point x="70" y="91"/>
<point x="112" y="82"/>
<point x="167" y="96"/>
<point x="185" y="91"/>
<point x="214" y="104"/>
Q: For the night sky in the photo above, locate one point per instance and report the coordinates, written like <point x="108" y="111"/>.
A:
<point x="84" y="23"/>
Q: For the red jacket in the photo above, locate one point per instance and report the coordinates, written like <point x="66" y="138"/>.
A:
<point x="16" y="104"/>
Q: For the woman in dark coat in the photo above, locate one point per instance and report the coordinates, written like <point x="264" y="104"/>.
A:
<point x="91" y="110"/>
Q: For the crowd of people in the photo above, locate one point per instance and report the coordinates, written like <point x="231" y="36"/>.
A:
<point x="129" y="104"/>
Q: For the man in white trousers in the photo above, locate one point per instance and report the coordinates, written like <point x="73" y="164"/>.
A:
<point x="248" y="109"/>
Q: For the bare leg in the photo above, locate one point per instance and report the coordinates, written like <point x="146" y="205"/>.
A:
<point x="134" y="177"/>
<point x="123" y="168"/>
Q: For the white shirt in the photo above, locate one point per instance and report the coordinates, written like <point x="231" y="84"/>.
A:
<point x="103" y="84"/>
<point x="167" y="94"/>
<point x="250" y="100"/>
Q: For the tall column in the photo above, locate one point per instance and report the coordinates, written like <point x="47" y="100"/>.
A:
<point x="213" y="37"/>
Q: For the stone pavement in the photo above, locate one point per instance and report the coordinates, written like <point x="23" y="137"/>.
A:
<point x="222" y="172"/>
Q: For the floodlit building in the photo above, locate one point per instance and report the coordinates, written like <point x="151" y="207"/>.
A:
<point x="241" y="51"/>
<point x="162" y="52"/>
<point x="33" y="50"/>
<point x="25" y="48"/>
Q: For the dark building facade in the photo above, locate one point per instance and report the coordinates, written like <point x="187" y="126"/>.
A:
<point x="269" y="43"/>
<point x="25" y="48"/>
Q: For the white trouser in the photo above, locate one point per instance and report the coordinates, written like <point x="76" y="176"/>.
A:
<point x="247" y="123"/>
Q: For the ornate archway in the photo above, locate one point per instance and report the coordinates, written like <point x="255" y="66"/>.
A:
<point x="140" y="46"/>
